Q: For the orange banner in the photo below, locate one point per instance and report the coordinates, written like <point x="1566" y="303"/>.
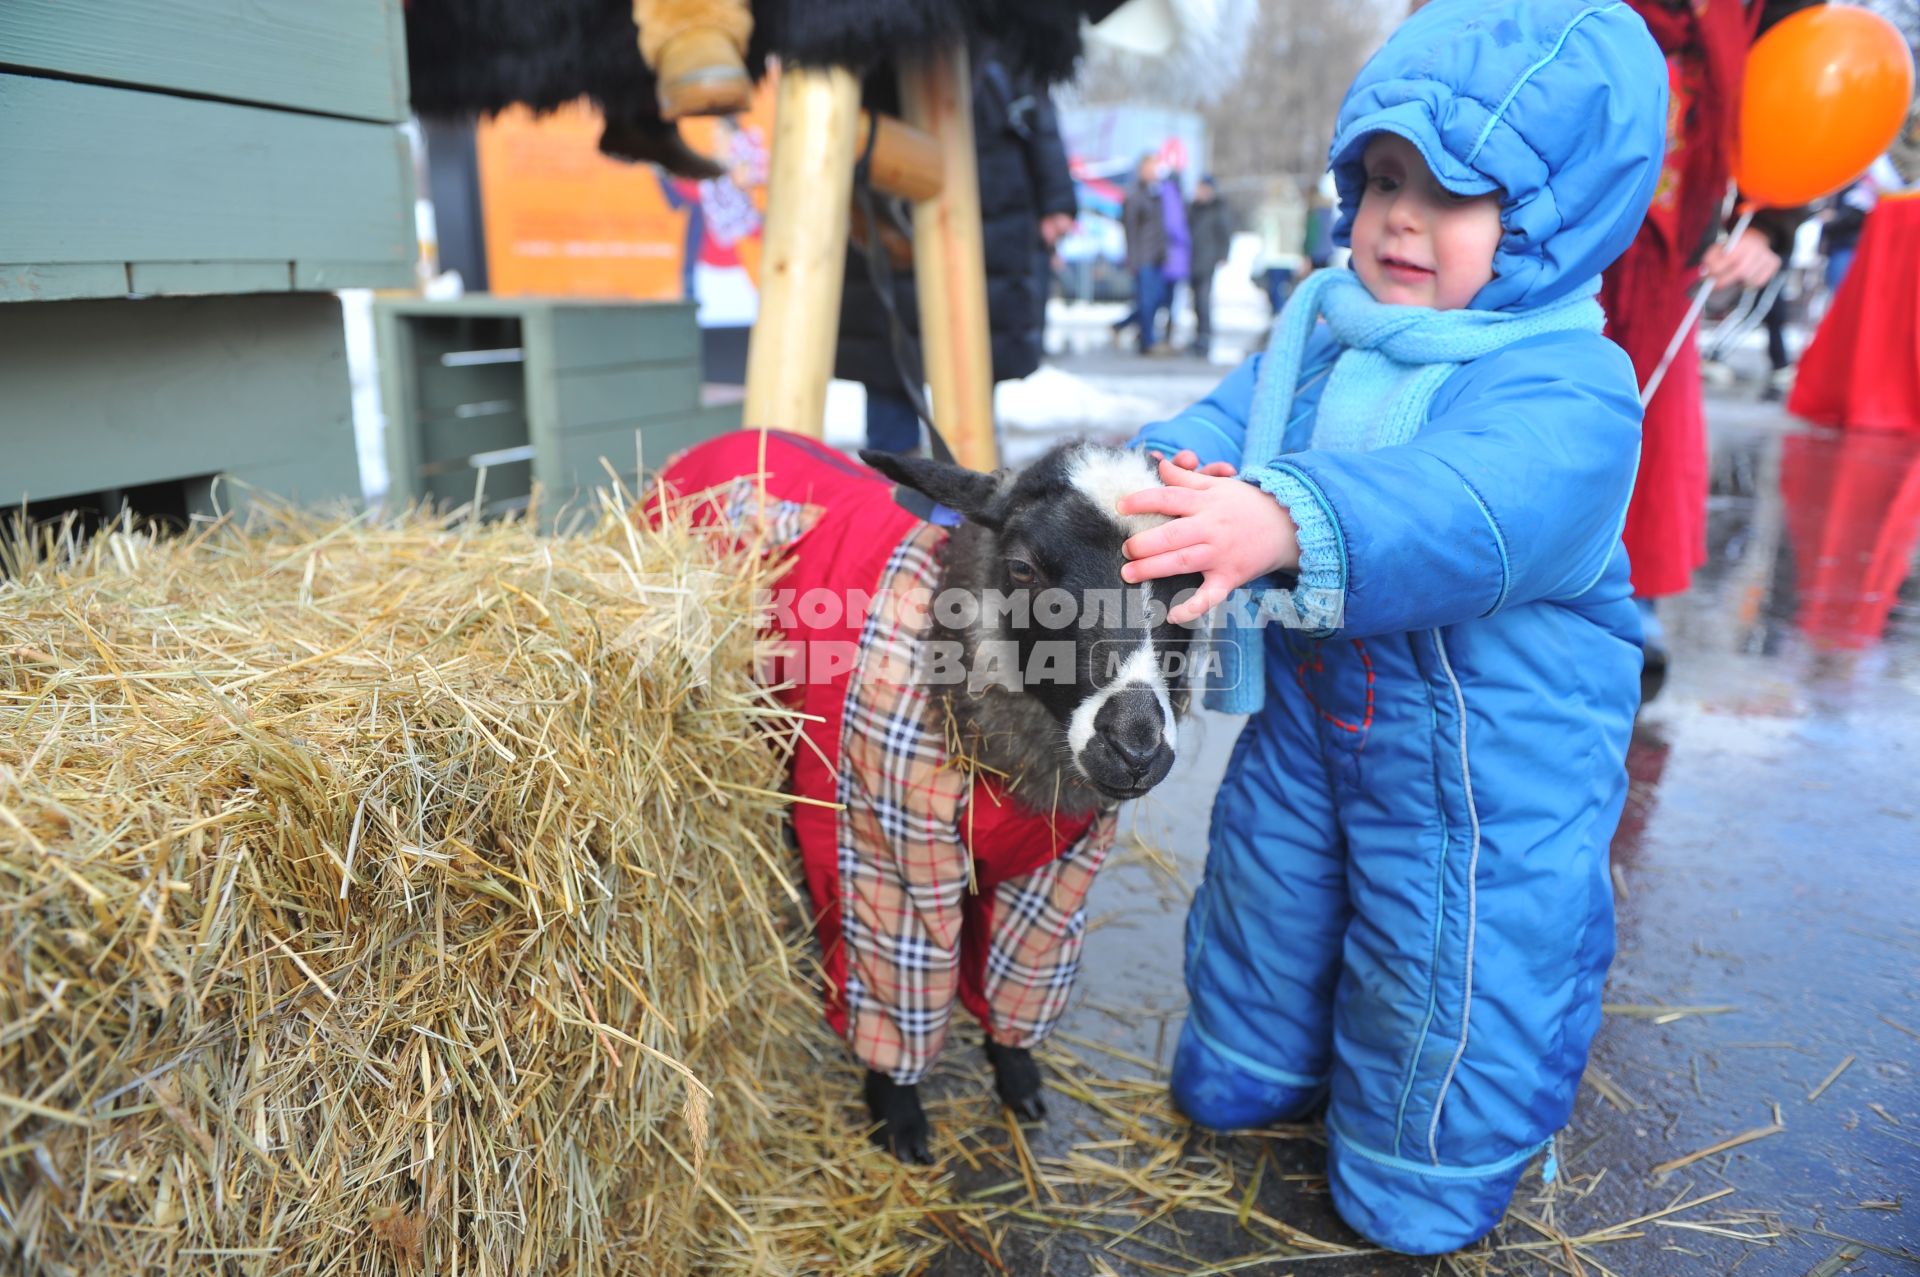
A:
<point x="564" y="220"/>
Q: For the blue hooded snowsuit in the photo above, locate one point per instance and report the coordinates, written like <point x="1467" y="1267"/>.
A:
<point x="1406" y="909"/>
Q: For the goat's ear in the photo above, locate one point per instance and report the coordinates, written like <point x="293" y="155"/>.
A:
<point x="975" y="495"/>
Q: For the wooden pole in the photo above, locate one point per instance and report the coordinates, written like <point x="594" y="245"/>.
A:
<point x="949" y="260"/>
<point x="804" y="250"/>
<point x="904" y="161"/>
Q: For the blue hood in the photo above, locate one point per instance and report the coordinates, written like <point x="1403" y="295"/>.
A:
<point x="1560" y="104"/>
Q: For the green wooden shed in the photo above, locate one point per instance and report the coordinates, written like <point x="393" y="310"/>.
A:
<point x="182" y="184"/>
<point x="493" y="397"/>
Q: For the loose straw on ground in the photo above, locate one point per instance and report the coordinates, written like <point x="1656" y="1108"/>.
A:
<point x="1831" y="1078"/>
<point x="1731" y="1142"/>
<point x="1139" y="1183"/>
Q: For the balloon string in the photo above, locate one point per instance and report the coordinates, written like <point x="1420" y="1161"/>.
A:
<point x="1700" y="295"/>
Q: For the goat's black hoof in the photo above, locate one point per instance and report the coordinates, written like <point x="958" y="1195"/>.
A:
<point x="903" y="1123"/>
<point x="1017" y="1078"/>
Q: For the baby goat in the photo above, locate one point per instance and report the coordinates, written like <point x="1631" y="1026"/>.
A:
<point x="985" y="691"/>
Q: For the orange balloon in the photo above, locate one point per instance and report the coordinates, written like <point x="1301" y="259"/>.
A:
<point x="1826" y="92"/>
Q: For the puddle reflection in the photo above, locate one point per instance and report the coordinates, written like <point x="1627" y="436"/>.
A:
<point x="1852" y="503"/>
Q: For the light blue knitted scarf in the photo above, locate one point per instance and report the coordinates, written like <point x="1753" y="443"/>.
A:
<point x="1393" y="359"/>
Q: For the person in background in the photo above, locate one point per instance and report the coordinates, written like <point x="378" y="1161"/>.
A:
<point x="1026" y="204"/>
<point x="1320" y="218"/>
<point x="1210" y="223"/>
<point x="1146" y="230"/>
<point x="1779" y="359"/>
<point x="1179" y="260"/>
<point x="1280" y="261"/>
<point x="1647" y="292"/>
<point x="1032" y="118"/>
<point x="1840" y="225"/>
<point x="1790" y="290"/>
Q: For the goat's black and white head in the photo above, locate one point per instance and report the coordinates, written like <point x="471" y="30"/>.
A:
<point x="1041" y="554"/>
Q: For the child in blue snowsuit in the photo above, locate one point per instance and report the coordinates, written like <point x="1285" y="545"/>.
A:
<point x="1406" y="911"/>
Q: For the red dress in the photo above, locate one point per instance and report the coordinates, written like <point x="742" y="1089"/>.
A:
<point x="1646" y="292"/>
<point x="1862" y="370"/>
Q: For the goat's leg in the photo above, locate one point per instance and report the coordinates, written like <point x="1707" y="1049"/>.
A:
<point x="1044" y="946"/>
<point x="697" y="50"/>
<point x="903" y="1123"/>
<point x="1017" y="1078"/>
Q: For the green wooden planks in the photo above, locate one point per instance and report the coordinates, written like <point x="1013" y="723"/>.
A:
<point x="498" y="484"/>
<point x="445" y="391"/>
<point x="601" y="396"/>
<point x="607" y="336"/>
<point x="210" y="182"/>
<point x="446" y="439"/>
<point x="398" y="347"/>
<point x="661" y="441"/>
<point x="107" y="394"/>
<point x="66" y="281"/>
<point x="37" y="282"/>
<point x="326" y="277"/>
<point x="183" y="278"/>
<point x="653" y="442"/>
<point x="336" y="57"/>
<point x="479" y="306"/>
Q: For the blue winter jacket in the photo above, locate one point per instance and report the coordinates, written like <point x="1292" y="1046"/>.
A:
<point x="1515" y="492"/>
<point x="1471" y="714"/>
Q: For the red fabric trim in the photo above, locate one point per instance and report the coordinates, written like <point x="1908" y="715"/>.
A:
<point x="976" y="938"/>
<point x="1008" y="841"/>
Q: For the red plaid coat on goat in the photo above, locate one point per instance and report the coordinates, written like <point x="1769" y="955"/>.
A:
<point x="930" y="880"/>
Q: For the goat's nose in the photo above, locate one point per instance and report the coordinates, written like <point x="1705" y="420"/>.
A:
<point x="1137" y="740"/>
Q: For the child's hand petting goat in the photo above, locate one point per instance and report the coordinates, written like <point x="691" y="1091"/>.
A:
<point x="1221" y="527"/>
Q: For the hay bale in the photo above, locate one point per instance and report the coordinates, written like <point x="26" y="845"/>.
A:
<point x="407" y="897"/>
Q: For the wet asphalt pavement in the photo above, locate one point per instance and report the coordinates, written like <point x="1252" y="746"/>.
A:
<point x="1767" y="983"/>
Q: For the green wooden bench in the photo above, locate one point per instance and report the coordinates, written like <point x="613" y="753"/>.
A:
<point x="495" y="396"/>
<point x="231" y="151"/>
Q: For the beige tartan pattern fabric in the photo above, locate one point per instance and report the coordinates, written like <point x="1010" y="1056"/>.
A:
<point x="905" y="873"/>
<point x="745" y="504"/>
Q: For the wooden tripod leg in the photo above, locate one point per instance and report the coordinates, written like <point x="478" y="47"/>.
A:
<point x="949" y="260"/>
<point x="804" y="250"/>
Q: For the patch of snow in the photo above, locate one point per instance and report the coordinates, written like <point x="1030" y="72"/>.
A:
<point x="1055" y="401"/>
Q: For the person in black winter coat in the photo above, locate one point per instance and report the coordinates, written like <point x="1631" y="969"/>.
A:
<point x="1210" y="223"/>
<point x="1026" y="204"/>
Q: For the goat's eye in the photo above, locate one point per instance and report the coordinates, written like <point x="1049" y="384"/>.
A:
<point x="1022" y="572"/>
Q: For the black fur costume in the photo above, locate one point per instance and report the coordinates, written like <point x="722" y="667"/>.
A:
<point x="479" y="56"/>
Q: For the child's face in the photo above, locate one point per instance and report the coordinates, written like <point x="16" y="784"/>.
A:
<point x="1415" y="243"/>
